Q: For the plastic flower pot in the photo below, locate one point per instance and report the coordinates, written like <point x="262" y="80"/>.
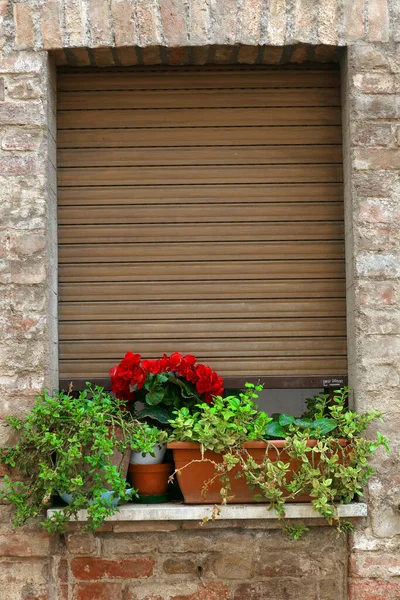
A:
<point x="150" y="480"/>
<point x="192" y="476"/>
<point x="108" y="497"/>
<point x="138" y="458"/>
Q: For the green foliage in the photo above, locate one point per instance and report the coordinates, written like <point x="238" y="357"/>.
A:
<point x="145" y="437"/>
<point x="69" y="445"/>
<point x="169" y="390"/>
<point x="226" y="423"/>
<point x="324" y="456"/>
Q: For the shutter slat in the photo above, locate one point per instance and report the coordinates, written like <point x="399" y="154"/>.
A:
<point x="196" y="136"/>
<point x="207" y="117"/>
<point x="158" y="79"/>
<point x="192" y="156"/>
<point x="202" y="290"/>
<point x="201" y="213"/>
<point x="187" y="309"/>
<point x="204" y="271"/>
<point x="164" y="196"/>
<point x="246" y="367"/>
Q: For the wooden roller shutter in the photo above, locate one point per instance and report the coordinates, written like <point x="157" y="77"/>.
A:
<point x="201" y="211"/>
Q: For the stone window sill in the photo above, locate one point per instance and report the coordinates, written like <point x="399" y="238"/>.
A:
<point x="234" y="512"/>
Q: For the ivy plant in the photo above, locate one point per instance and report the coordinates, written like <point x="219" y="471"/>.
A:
<point x="73" y="445"/>
<point x="325" y="455"/>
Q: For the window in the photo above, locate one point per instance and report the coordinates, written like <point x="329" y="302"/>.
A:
<point x="201" y="211"/>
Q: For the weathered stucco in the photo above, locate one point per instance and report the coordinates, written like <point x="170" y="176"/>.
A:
<point x="245" y="563"/>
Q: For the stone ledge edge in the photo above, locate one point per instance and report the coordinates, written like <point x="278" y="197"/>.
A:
<point x="185" y="512"/>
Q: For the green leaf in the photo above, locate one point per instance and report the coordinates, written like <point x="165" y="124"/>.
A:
<point x="286" y="420"/>
<point x="155" y="397"/>
<point x="158" y="413"/>
<point x="274" y="430"/>
<point x="325" y="425"/>
<point x="303" y="423"/>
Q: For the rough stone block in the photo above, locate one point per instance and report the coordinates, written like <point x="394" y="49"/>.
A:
<point x="372" y="134"/>
<point x="375" y="83"/>
<point x="84" y="544"/>
<point x="144" y="543"/>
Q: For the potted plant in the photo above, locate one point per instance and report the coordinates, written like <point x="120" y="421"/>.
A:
<point x="148" y="473"/>
<point x="164" y="385"/>
<point x="78" y="447"/>
<point x="231" y="452"/>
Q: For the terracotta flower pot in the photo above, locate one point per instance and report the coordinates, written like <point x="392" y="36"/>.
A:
<point x="150" y="480"/>
<point x="191" y="478"/>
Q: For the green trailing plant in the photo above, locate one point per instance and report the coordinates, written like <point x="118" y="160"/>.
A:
<point x="145" y="437"/>
<point x="325" y="455"/>
<point x="73" y="445"/>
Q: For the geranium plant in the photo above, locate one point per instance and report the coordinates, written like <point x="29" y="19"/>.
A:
<point x="165" y="384"/>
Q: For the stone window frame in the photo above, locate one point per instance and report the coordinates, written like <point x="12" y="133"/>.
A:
<point x="229" y="55"/>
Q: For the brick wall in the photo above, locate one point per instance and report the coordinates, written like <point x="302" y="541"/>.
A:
<point x="244" y="562"/>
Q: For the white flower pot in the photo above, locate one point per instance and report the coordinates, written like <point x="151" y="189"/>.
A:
<point x="137" y="458"/>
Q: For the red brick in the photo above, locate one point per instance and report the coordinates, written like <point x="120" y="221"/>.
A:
<point x="354" y="20"/>
<point x="24" y="19"/>
<point x="177" y="56"/>
<point x="151" y="55"/>
<point x="210" y="591"/>
<point x="79" y="57"/>
<point x="124" y="26"/>
<point x="24" y="544"/>
<point x="199" y="22"/>
<point x="368" y="589"/>
<point x="127" y="57"/>
<point x="98" y="591"/>
<point x="173" y="22"/>
<point x="276" y="23"/>
<point x="248" y="54"/>
<point x="50" y="25"/>
<point x="103" y="57"/>
<point x="146" y="18"/>
<point x="225" y="20"/>
<point x="99" y="23"/>
<point x="74" y="23"/>
<point x="251" y="22"/>
<point x="272" y="55"/>
<point x="98" y="568"/>
<point x="378" y="20"/>
<point x="21" y="113"/>
<point x="328" y="23"/>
